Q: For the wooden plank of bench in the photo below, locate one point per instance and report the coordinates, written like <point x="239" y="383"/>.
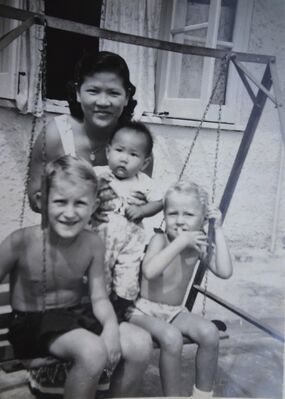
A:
<point x="4" y="298"/>
<point x="4" y="320"/>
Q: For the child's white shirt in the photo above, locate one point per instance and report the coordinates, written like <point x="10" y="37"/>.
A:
<point x="125" y="187"/>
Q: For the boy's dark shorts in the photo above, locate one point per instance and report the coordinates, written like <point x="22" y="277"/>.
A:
<point x="30" y="333"/>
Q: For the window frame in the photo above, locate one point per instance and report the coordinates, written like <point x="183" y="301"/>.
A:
<point x="9" y="79"/>
<point x="193" y="108"/>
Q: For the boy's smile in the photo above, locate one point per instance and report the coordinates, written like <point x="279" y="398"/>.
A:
<point x="70" y="207"/>
<point x="182" y="213"/>
<point x="126" y="154"/>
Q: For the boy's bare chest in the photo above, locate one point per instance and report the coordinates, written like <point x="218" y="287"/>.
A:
<point x="181" y="268"/>
<point x="63" y="267"/>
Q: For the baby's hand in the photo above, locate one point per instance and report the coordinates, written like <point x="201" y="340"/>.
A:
<point x="133" y="213"/>
<point x="193" y="239"/>
<point x="215" y="213"/>
<point x="137" y="198"/>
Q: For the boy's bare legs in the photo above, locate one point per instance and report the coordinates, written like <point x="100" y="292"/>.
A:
<point x="206" y="335"/>
<point x="136" y="345"/>
<point x="89" y="356"/>
<point x="171" y="344"/>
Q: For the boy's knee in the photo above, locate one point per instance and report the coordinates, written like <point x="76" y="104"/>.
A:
<point x="209" y="335"/>
<point x="172" y="340"/>
<point x="92" y="357"/>
<point x="139" y="346"/>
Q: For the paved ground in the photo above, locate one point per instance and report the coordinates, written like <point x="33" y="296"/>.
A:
<point x="250" y="365"/>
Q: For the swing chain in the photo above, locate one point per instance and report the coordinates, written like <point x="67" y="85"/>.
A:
<point x="44" y="164"/>
<point x="214" y="186"/>
<point x="217" y="150"/>
<point x="223" y="68"/>
<point x="32" y="135"/>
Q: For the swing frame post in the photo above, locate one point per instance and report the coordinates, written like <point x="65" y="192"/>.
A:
<point x="247" y="138"/>
<point x="248" y="135"/>
<point x="270" y="77"/>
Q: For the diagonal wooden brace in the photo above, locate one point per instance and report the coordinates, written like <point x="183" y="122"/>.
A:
<point x="13" y="34"/>
<point x="242" y="69"/>
<point x="244" y="80"/>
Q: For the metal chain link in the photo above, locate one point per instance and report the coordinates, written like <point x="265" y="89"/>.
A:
<point x="214" y="186"/>
<point x="32" y="138"/>
<point x="44" y="164"/>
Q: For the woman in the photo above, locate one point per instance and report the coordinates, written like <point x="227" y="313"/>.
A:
<point x="103" y="99"/>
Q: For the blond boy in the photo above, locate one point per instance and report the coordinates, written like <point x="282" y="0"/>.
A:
<point x="48" y="318"/>
<point x="167" y="268"/>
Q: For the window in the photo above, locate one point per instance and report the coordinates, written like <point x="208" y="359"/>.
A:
<point x="63" y="48"/>
<point x="185" y="81"/>
<point x="8" y="57"/>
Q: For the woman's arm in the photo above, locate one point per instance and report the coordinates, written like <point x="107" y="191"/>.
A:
<point x="53" y="149"/>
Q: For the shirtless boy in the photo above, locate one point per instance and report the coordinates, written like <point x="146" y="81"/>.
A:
<point x="48" y="318"/>
<point x="167" y="269"/>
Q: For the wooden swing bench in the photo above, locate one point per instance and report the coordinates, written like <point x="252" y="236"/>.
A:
<point x="9" y="363"/>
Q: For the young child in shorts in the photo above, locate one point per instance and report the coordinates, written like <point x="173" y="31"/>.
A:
<point x="48" y="318"/>
<point x="167" y="268"/>
<point x="128" y="154"/>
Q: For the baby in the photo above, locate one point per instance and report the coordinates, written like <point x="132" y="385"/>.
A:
<point x="128" y="154"/>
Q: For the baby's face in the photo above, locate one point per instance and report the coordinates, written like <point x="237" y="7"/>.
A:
<point x="126" y="154"/>
<point x="70" y="206"/>
<point x="182" y="213"/>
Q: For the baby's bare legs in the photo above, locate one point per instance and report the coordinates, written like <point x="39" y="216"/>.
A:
<point x="89" y="356"/>
<point x="136" y="347"/>
<point x="206" y="335"/>
<point x="171" y="344"/>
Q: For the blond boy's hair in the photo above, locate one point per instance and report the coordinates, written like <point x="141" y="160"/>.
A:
<point x="190" y="188"/>
<point x="73" y="169"/>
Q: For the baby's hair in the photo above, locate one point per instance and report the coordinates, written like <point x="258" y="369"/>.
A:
<point x="138" y="128"/>
<point x="72" y="168"/>
<point x="190" y="188"/>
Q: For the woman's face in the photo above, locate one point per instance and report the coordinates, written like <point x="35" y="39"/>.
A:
<point x="102" y="97"/>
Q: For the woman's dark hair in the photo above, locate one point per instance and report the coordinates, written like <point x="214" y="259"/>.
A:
<point x="104" y="61"/>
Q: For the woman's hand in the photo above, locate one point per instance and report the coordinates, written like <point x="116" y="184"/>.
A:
<point x="106" y="196"/>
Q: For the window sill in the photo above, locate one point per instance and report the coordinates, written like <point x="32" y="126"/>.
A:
<point x="163" y="120"/>
<point x="53" y="106"/>
<point x="61" y="107"/>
